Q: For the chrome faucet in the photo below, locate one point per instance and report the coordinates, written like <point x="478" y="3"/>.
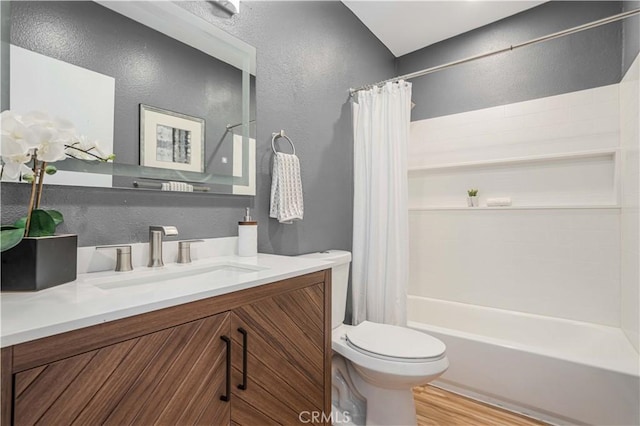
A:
<point x="155" y="243"/>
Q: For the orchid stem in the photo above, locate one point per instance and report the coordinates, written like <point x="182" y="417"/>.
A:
<point x="41" y="174"/>
<point x="86" y="151"/>
<point x="33" y="196"/>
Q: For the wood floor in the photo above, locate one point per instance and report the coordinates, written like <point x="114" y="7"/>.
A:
<point x="439" y="407"/>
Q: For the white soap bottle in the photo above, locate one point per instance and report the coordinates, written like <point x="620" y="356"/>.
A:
<point x="248" y="236"/>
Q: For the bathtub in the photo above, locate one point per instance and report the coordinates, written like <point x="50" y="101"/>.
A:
<point x="556" y="370"/>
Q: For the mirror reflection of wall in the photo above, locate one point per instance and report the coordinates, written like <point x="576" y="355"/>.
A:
<point x="41" y="83"/>
<point x="148" y="68"/>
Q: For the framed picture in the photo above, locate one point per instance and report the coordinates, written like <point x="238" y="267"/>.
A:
<point x="171" y="140"/>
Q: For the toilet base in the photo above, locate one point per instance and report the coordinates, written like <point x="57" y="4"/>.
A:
<point x="386" y="407"/>
<point x="348" y="405"/>
<point x="385" y="386"/>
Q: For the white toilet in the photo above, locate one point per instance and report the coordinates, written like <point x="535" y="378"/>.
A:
<point x="375" y="365"/>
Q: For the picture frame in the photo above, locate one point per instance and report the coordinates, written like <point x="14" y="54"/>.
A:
<point x="171" y="140"/>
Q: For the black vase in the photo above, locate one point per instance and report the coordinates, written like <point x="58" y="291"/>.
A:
<point x="40" y="262"/>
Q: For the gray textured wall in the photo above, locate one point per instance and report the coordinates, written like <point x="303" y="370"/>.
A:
<point x="309" y="54"/>
<point x="588" y="59"/>
<point x="630" y="36"/>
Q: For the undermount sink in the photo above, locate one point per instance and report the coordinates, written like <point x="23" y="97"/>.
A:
<point x="212" y="272"/>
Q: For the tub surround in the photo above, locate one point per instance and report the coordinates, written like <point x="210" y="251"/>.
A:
<point x="575" y="122"/>
<point x="95" y="298"/>
<point x="630" y="203"/>
<point x="518" y="254"/>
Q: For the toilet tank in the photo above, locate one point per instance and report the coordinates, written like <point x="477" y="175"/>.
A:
<point x="339" y="281"/>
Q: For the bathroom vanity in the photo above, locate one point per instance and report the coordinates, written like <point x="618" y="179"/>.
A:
<point x="251" y="347"/>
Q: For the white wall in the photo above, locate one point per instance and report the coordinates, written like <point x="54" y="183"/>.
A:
<point x="556" y="251"/>
<point x="630" y="152"/>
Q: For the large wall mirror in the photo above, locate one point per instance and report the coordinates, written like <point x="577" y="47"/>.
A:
<point x="171" y="95"/>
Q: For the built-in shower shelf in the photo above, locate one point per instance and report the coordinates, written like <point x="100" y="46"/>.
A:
<point x="568" y="180"/>
<point x="520" y="160"/>
<point x="567" y="207"/>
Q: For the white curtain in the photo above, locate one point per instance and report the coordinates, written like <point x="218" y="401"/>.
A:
<point x="381" y="118"/>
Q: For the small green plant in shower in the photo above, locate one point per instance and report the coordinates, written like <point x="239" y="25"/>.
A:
<point x="472" y="199"/>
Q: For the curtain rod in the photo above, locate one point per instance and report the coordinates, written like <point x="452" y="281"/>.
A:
<point x="548" y="37"/>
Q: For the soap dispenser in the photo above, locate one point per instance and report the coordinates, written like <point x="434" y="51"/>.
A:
<point x="248" y="236"/>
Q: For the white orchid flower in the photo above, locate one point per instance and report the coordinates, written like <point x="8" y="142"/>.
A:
<point x="15" y="171"/>
<point x="54" y="123"/>
<point x="48" y="135"/>
<point x="14" y="150"/>
<point x="44" y="137"/>
<point x="14" y="128"/>
<point x="84" y="149"/>
<point x="14" y="154"/>
<point x="51" y="147"/>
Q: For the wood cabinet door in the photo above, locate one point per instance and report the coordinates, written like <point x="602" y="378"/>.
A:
<point x="284" y="358"/>
<point x="174" y="377"/>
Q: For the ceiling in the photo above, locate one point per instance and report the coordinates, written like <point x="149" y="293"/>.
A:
<point x="405" y="26"/>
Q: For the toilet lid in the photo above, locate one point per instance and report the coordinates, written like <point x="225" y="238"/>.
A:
<point x="395" y="342"/>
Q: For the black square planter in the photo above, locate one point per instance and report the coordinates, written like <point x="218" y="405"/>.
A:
<point x="39" y="263"/>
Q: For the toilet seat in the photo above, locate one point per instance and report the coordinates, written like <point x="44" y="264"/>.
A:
<point x="399" y="368"/>
<point x="394" y="343"/>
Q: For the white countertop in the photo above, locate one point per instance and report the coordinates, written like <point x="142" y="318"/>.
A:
<point x="99" y="297"/>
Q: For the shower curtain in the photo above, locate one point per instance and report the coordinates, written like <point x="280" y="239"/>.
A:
<point x="381" y="118"/>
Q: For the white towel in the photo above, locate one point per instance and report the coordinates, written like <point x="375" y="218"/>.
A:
<point x="499" y="202"/>
<point x="286" y="189"/>
<point x="176" y="186"/>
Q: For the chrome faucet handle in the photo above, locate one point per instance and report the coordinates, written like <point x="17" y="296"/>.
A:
<point x="168" y="231"/>
<point x="123" y="257"/>
<point x="155" y="243"/>
<point x="184" y="250"/>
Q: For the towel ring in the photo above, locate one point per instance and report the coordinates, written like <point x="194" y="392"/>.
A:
<point x="281" y="135"/>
